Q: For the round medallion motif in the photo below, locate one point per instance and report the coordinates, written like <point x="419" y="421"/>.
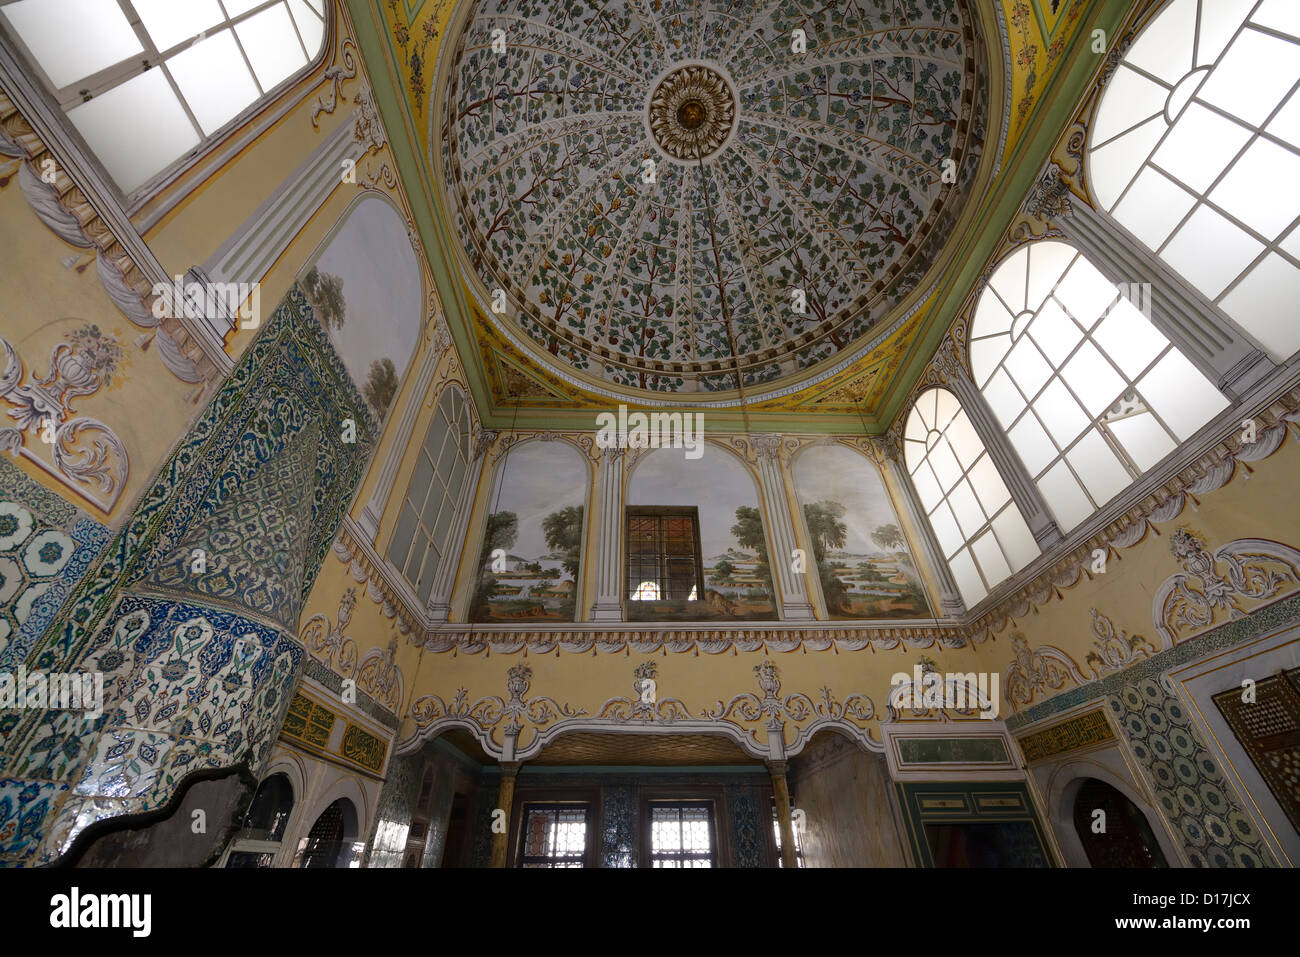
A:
<point x="692" y="112"/>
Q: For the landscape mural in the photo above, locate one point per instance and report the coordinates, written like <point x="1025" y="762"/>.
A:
<point x="365" y="288"/>
<point x="535" y="521"/>
<point x="863" y="560"/>
<point x="733" y="545"/>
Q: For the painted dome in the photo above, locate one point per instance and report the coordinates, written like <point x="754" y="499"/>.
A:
<point x="651" y="193"/>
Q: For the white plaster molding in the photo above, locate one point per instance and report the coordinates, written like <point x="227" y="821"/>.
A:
<point x="253" y="248"/>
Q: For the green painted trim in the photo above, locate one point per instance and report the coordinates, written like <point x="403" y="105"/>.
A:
<point x="413" y="171"/>
<point x="915" y="819"/>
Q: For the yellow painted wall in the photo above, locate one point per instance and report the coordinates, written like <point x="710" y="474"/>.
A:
<point x="1255" y="504"/>
<point x="43" y="302"/>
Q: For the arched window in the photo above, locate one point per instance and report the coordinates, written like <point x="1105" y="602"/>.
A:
<point x="258" y="841"/>
<point x="420" y="538"/>
<point x="1090" y="393"/>
<point x="980" y="530"/>
<point x="147" y="81"/>
<point x="331" y="840"/>
<point x="269" y="813"/>
<point x="1196" y="135"/>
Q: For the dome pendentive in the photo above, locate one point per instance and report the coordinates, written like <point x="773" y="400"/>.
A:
<point x="655" y="194"/>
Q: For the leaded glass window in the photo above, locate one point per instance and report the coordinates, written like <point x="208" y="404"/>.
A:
<point x="1195" y="149"/>
<point x="1090" y="393"/>
<point x="980" y="530"/>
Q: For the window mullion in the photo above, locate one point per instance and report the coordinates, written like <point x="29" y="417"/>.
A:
<point x="1024" y="490"/>
<point x="185" y="105"/>
<point x="297" y="32"/>
<point x="247" y="62"/>
<point x="1210" y="340"/>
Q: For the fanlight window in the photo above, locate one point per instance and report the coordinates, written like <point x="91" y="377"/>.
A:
<point x="147" y="81"/>
<point x="421" y="537"/>
<point x="980" y="530"/>
<point x="1196" y="149"/>
<point x="1090" y="393"/>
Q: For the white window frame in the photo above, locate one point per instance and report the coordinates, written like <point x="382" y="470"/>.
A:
<point x="447" y="417"/>
<point x="1002" y="531"/>
<point x="1046" y="408"/>
<point x="1145" y="223"/>
<point x="76" y="93"/>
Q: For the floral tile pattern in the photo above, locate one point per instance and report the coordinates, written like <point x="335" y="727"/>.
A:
<point x="387" y="842"/>
<point x="1188" y="784"/>
<point x="198" y="660"/>
<point x="45" y="547"/>
<point x="747" y="819"/>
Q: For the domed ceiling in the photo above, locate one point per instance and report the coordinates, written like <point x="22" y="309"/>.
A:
<point x="651" y="193"/>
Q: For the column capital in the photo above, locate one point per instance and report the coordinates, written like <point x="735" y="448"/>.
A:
<point x="484" y="439"/>
<point x="1050" y="196"/>
<point x="767" y="446"/>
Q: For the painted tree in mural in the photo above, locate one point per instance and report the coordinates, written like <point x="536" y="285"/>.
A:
<point x="563" y="530"/>
<point x="889" y="537"/>
<point x="749" y="534"/>
<point x="723" y="571"/>
<point x="827" y="531"/>
<point x="381" y="385"/>
<point x="502" y="531"/>
<point x="325" y="291"/>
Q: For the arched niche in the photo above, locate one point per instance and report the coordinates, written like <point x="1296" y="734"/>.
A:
<point x="1062" y="792"/>
<point x="530" y="554"/>
<point x="1112" y="829"/>
<point x="367" y="290"/>
<point x="734" y="574"/>
<point x="864" y="561"/>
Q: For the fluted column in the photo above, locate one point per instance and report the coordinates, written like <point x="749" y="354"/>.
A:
<point x="608" y="605"/>
<point x="784" y="819"/>
<point x="950" y="600"/>
<point x="505" y="802"/>
<point x="791" y="585"/>
<point x="1202" y="332"/>
<point x="439" y="606"/>
<point x="1023" y="489"/>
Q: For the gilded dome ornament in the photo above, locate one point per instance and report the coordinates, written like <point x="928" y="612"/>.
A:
<point x="692" y="112"/>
